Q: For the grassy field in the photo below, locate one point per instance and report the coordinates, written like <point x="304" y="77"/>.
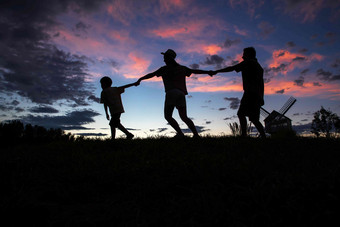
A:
<point x="167" y="182"/>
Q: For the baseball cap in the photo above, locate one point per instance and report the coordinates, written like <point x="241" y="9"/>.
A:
<point x="171" y="53"/>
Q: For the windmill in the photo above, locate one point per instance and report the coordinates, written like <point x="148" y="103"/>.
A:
<point x="276" y="120"/>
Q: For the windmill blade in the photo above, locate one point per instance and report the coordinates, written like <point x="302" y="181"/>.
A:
<point x="287" y="105"/>
<point x="264" y="112"/>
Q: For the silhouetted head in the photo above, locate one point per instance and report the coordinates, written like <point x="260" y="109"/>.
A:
<point x="105" y="82"/>
<point x="169" y="57"/>
<point x="249" y="53"/>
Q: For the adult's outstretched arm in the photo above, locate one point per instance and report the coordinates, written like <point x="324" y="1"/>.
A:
<point x="147" y="76"/>
<point x="198" y="71"/>
<point x="225" y="70"/>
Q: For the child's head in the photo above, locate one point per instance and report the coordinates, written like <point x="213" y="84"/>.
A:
<point x="106" y="82"/>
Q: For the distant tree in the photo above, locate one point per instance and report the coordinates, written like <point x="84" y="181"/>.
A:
<point x="324" y="122"/>
<point x="337" y="125"/>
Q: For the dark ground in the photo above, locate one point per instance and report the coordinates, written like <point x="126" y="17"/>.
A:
<point x="164" y="182"/>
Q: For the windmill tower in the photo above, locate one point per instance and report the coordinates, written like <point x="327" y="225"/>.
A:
<point x="276" y="120"/>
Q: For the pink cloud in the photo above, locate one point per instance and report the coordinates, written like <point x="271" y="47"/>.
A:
<point x="182" y="27"/>
<point x="122" y="11"/>
<point x="217" y="83"/>
<point x="233" y="83"/>
<point x="308" y="89"/>
<point x="136" y="67"/>
<point x="122" y="36"/>
<point x="127" y="11"/>
<point x="79" y="44"/>
<point x="170" y="6"/>
<point x="170" y="32"/>
<point x="251" y="5"/>
<point x="240" y="31"/>
<point x="226" y="87"/>
<point x="101" y="42"/>
<point x="189" y="32"/>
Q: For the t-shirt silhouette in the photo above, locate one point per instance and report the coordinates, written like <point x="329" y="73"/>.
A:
<point x="252" y="77"/>
<point x="174" y="77"/>
<point x="111" y="97"/>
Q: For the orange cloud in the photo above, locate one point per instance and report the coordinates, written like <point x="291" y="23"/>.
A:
<point x="212" y="49"/>
<point x="290" y="60"/>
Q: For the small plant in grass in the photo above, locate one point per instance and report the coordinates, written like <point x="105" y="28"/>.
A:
<point x="236" y="129"/>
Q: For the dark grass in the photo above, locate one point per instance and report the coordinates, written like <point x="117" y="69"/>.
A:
<point x="166" y="182"/>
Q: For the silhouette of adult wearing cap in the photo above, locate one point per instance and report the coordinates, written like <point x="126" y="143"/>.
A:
<point x="253" y="86"/>
<point x="174" y="80"/>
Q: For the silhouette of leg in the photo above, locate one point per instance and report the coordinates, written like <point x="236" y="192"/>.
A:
<point x="113" y="132"/>
<point x="125" y="131"/>
<point x="243" y="124"/>
<point x="168" y="110"/>
<point x="182" y="111"/>
<point x="259" y="128"/>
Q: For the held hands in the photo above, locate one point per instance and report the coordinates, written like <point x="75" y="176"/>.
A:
<point x="211" y="73"/>
<point x="137" y="83"/>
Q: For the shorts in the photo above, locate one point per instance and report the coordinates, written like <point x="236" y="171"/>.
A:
<point x="250" y="107"/>
<point x="115" y="120"/>
<point x="175" y="97"/>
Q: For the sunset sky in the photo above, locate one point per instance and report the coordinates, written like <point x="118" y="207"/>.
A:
<point x="53" y="54"/>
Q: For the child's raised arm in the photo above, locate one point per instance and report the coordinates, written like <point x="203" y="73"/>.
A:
<point x="129" y="85"/>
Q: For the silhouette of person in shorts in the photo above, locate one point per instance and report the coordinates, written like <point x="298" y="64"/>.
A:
<point x="253" y="87"/>
<point x="174" y="80"/>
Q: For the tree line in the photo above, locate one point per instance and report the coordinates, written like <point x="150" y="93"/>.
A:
<point x="16" y="130"/>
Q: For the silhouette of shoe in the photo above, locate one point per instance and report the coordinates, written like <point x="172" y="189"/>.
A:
<point x="130" y="136"/>
<point x="262" y="137"/>
<point x="179" y="136"/>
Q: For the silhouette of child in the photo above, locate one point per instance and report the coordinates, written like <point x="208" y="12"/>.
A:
<point x="110" y="97"/>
